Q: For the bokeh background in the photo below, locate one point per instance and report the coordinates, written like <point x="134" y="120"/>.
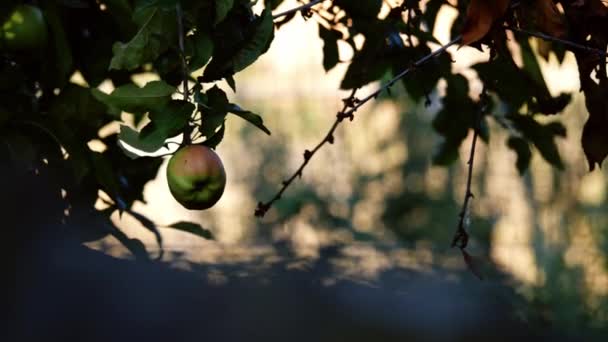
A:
<point x="375" y="196"/>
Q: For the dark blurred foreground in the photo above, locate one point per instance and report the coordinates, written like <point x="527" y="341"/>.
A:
<point x="68" y="292"/>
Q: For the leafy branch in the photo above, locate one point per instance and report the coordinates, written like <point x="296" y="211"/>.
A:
<point x="185" y="73"/>
<point x="351" y="105"/>
<point x="461" y="237"/>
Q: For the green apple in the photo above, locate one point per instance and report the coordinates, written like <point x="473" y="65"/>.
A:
<point x="196" y="177"/>
<point x="25" y="29"/>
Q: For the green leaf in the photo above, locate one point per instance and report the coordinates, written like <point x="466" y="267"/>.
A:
<point x="132" y="138"/>
<point x="222" y="7"/>
<point x="331" y="56"/>
<point x="166" y="122"/>
<point x="253" y="118"/>
<point x="202" y="49"/>
<point x="172" y="118"/>
<point x="192" y="228"/>
<point x="157" y="28"/>
<point x="238" y="42"/>
<point x="133" y="99"/>
<point x="522" y="149"/>
<point x="257" y="44"/>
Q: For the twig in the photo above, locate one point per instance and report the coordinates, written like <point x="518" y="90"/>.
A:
<point x="557" y="40"/>
<point x="296" y="9"/>
<point x="461" y="237"/>
<point x="180" y="31"/>
<point x="42" y="128"/>
<point x="262" y="208"/>
<point x="351" y="104"/>
<point x="404" y="73"/>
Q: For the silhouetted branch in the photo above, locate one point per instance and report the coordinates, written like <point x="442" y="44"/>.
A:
<point x="558" y="40"/>
<point x="351" y="104"/>
<point x="296" y="9"/>
<point x="461" y="237"/>
<point x="185" y="73"/>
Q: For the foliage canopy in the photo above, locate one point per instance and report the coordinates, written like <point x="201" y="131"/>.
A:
<point x="47" y="120"/>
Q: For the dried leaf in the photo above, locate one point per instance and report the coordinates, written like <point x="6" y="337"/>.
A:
<point x="595" y="131"/>
<point x="548" y="18"/>
<point x="588" y="25"/>
<point x="481" y="15"/>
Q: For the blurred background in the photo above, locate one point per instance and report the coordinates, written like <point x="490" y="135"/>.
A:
<point x="372" y="208"/>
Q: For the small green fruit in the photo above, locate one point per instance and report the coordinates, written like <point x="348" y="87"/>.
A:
<point x="196" y="177"/>
<point x="25" y="29"/>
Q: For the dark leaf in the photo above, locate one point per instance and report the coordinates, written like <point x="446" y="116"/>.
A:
<point x="172" y="118"/>
<point x="257" y="44"/>
<point x="60" y="70"/>
<point x="231" y="82"/>
<point x="213" y="112"/>
<point x="222" y="7"/>
<point x="157" y="28"/>
<point x="542" y="136"/>
<point x="132" y="138"/>
<point x="202" y="47"/>
<point x="447" y="153"/>
<point x="132" y="99"/>
<point x="192" y="228"/>
<point x="216" y="138"/>
<point x="522" y="149"/>
<point x="595" y="131"/>
<point x="330" y="47"/>
<point x="253" y="118"/>
<point x="361" y="8"/>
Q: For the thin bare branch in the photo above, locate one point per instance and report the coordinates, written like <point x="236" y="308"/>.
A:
<point x="351" y="104"/>
<point x="461" y="237"/>
<point x="296" y="9"/>
<point x="185" y="73"/>
<point x="558" y="40"/>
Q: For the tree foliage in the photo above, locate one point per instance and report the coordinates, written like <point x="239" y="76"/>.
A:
<point x="47" y="119"/>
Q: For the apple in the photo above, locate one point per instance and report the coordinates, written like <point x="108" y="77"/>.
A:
<point x="196" y="177"/>
<point x="25" y="29"/>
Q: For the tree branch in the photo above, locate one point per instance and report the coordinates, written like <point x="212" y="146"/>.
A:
<point x="351" y="104"/>
<point x="296" y="9"/>
<point x="557" y="40"/>
<point x="461" y="237"/>
<point x="185" y="73"/>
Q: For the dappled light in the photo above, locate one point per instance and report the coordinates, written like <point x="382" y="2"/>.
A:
<point x="362" y="240"/>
